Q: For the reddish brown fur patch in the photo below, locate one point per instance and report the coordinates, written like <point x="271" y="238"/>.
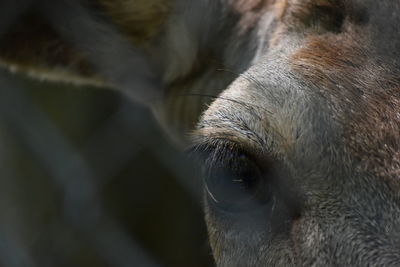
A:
<point x="373" y="134"/>
<point x="364" y="99"/>
<point x="326" y="56"/>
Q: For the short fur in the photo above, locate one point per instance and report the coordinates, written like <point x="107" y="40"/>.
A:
<point x="310" y="89"/>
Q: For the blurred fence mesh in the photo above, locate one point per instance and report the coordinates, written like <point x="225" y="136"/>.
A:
<point x="87" y="179"/>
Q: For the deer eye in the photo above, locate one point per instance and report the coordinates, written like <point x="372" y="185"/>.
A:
<point x="236" y="183"/>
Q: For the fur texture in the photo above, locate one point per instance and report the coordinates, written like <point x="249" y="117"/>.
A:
<point x="309" y="96"/>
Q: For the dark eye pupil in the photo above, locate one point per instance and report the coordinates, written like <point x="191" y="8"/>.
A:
<point x="237" y="185"/>
<point x="247" y="174"/>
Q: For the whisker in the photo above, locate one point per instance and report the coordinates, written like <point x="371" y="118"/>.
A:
<point x="253" y="80"/>
<point x="251" y="107"/>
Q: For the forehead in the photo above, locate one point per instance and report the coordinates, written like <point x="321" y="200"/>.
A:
<point x="331" y="91"/>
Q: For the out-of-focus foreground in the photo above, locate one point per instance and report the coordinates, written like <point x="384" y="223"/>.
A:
<point x="87" y="179"/>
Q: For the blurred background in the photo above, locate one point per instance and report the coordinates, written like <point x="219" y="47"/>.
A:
<point x="87" y="178"/>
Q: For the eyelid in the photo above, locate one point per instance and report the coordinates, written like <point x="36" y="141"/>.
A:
<point x="220" y="150"/>
<point x="212" y="150"/>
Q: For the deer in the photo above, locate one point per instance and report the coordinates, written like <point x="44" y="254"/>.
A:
<point x="290" y="107"/>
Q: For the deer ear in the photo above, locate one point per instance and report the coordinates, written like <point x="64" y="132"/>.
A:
<point x="64" y="41"/>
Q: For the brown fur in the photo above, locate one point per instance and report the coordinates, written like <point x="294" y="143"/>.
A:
<point x="373" y="135"/>
<point x="140" y="20"/>
<point x="370" y="117"/>
<point x="327" y="55"/>
<point x="314" y="90"/>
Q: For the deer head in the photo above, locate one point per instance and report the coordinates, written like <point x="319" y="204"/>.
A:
<point x="299" y="144"/>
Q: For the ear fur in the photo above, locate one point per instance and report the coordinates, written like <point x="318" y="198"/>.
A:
<point x="63" y="40"/>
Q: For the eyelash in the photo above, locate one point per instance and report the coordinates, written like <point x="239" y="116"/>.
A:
<point x="217" y="151"/>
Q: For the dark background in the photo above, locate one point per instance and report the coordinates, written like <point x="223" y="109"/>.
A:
<point x="89" y="179"/>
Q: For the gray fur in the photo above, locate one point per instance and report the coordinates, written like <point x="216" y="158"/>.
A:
<point x="313" y="97"/>
<point x="347" y="215"/>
